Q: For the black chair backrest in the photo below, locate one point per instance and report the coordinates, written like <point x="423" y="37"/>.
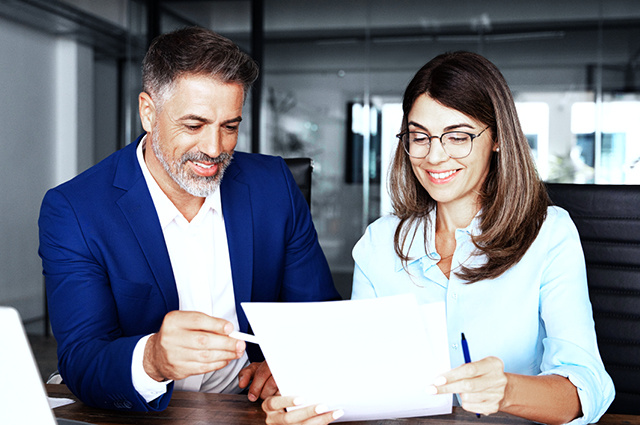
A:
<point x="301" y="169"/>
<point x="608" y="221"/>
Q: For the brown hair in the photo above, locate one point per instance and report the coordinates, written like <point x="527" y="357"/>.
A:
<point x="513" y="198"/>
<point x="196" y="51"/>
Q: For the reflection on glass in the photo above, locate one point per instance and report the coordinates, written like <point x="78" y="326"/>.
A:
<point x="616" y="159"/>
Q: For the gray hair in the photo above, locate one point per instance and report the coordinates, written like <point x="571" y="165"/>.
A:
<point x="195" y="51"/>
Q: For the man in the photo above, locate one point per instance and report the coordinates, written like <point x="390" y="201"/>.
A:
<point x="148" y="255"/>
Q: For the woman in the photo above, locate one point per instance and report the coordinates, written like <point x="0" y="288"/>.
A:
<point x="472" y="227"/>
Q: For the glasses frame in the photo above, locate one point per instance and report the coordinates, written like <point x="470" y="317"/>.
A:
<point x="406" y="147"/>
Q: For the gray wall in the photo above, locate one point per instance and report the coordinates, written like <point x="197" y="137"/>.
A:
<point x="46" y="137"/>
<point x="27" y="152"/>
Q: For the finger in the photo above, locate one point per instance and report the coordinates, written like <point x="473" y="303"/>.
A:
<point x="279" y="402"/>
<point x="324" y="415"/>
<point x="184" y="369"/>
<point x="260" y="378"/>
<point x="465" y="371"/>
<point x="308" y="415"/>
<point x="179" y="355"/>
<point x="494" y="384"/>
<point x="195" y="320"/>
<point x="269" y="388"/>
<point x="460" y="386"/>
<point x="200" y="340"/>
<point x="466" y="377"/>
<point x="189" y="362"/>
<point x="324" y="418"/>
<point x="246" y="374"/>
<point x="197" y="330"/>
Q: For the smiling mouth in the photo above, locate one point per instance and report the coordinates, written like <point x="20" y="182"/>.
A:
<point x="443" y="175"/>
<point x="200" y="164"/>
<point x="205" y="169"/>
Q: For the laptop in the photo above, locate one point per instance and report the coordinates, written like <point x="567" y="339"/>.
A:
<point x="23" y="399"/>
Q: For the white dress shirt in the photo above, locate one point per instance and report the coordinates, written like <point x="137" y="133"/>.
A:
<point x="199" y="256"/>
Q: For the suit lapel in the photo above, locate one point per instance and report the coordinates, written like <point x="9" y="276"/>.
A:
<point x="236" y="208"/>
<point x="137" y="206"/>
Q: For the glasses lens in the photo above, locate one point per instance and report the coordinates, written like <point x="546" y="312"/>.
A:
<point x="456" y="144"/>
<point x="416" y="144"/>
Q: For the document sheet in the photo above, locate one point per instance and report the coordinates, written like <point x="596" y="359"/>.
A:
<point x="372" y="358"/>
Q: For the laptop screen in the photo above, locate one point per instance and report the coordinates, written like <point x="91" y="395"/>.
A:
<point x="23" y="399"/>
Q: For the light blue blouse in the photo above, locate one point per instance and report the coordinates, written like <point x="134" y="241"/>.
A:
<point x="536" y="317"/>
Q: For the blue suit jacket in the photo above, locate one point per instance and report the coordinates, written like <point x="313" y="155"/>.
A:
<point x="109" y="279"/>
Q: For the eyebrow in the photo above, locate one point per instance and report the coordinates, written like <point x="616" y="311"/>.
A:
<point x="193" y="117"/>
<point x="446" y="129"/>
<point x="232" y="120"/>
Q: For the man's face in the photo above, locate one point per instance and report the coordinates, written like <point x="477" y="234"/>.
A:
<point x="193" y="134"/>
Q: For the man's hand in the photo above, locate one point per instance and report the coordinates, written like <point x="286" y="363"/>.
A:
<point x="190" y="343"/>
<point x="262" y="383"/>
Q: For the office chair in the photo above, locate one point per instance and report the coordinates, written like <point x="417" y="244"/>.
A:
<point x="608" y="221"/>
<point x="301" y="168"/>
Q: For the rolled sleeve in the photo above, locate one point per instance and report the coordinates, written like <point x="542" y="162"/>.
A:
<point x="586" y="373"/>
<point x="570" y="346"/>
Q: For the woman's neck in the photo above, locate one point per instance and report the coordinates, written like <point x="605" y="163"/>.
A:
<point x="450" y="217"/>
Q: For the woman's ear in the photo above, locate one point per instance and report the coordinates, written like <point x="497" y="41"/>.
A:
<point x="147" y="110"/>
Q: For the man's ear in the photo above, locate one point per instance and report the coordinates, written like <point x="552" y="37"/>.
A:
<point x="147" y="110"/>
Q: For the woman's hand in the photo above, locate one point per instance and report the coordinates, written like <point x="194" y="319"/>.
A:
<point x="275" y="408"/>
<point x="482" y="385"/>
<point x="485" y="388"/>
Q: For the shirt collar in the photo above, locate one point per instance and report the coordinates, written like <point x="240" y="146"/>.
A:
<point x="167" y="211"/>
<point x="426" y="253"/>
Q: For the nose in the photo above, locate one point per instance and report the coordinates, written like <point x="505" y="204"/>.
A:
<point x="436" y="155"/>
<point x="210" y="142"/>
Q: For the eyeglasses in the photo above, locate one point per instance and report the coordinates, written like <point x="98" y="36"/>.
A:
<point x="456" y="144"/>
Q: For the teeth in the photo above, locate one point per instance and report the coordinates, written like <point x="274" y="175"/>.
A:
<point x="441" y="175"/>
<point x="200" y="164"/>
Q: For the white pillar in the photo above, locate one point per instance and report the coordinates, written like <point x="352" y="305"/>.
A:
<point x="73" y="109"/>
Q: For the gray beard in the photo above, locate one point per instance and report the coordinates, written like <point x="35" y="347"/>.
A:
<point x="191" y="183"/>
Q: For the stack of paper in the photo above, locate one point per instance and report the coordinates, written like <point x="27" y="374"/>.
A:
<point x="372" y="358"/>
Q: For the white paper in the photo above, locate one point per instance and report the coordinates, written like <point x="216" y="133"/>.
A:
<point x="59" y="402"/>
<point x="372" y="358"/>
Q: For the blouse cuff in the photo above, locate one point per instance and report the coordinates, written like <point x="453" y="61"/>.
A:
<point x="585" y="394"/>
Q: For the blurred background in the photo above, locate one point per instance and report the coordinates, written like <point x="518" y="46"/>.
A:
<point x="332" y="76"/>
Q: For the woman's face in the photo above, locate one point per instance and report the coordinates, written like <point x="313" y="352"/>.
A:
<point x="450" y="182"/>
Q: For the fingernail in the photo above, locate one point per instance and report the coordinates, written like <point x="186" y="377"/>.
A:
<point x="431" y="390"/>
<point x="440" y="380"/>
<point x="299" y="401"/>
<point x="321" y="408"/>
<point x="228" y="328"/>
<point x="252" y="397"/>
<point x="338" y="414"/>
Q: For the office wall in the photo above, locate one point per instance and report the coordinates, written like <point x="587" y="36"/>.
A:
<point x="46" y="137"/>
<point x="27" y="129"/>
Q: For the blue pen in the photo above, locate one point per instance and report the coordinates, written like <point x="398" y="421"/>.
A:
<point x="467" y="356"/>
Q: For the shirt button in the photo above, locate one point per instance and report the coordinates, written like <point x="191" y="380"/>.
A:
<point x="454" y="346"/>
<point x="454" y="296"/>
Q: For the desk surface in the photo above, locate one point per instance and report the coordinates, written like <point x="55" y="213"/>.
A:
<point x="187" y="408"/>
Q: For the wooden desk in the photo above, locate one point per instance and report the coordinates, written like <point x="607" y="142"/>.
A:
<point x="188" y="408"/>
